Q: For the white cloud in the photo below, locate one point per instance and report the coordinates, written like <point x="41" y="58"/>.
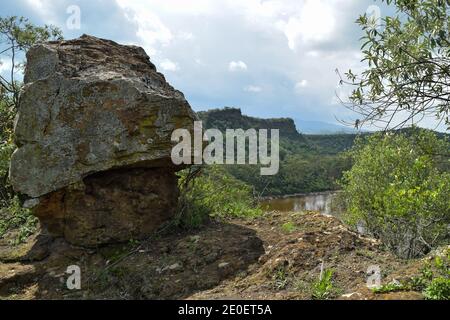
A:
<point x="175" y="7"/>
<point x="168" y="65"/>
<point x="186" y="35"/>
<point x="315" y="22"/>
<point x="313" y="53"/>
<point x="37" y="5"/>
<point x="150" y="29"/>
<point x="45" y="9"/>
<point x="200" y="62"/>
<point x="253" y="89"/>
<point x="5" y="66"/>
<point x="237" y="66"/>
<point x="301" y="84"/>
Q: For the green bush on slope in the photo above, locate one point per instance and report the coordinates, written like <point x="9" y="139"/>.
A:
<point x="213" y="193"/>
<point x="398" y="192"/>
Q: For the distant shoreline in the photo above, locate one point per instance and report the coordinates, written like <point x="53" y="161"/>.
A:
<point x="295" y="195"/>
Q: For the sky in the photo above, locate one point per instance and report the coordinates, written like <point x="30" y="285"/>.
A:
<point x="269" y="58"/>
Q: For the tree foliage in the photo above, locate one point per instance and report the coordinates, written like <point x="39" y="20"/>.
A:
<point x="211" y="192"/>
<point x="408" y="65"/>
<point x="17" y="35"/>
<point x="397" y="191"/>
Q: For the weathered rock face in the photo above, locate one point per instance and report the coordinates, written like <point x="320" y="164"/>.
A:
<point x="91" y="105"/>
<point x="111" y="206"/>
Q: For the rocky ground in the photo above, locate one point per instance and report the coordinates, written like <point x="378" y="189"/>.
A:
<point x="276" y="256"/>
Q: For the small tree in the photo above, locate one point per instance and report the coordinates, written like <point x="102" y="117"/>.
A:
<point x="397" y="192"/>
<point x="408" y="66"/>
<point x="17" y="35"/>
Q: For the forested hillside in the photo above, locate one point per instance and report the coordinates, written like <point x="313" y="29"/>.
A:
<point x="308" y="163"/>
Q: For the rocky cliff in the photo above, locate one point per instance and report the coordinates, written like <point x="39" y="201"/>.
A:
<point x="232" y="118"/>
<point x="94" y="140"/>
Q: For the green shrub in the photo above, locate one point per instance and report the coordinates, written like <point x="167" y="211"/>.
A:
<point x="390" y="287"/>
<point x="398" y="192"/>
<point x="439" y="286"/>
<point x="213" y="193"/>
<point x="438" y="289"/>
<point x="288" y="227"/>
<point x="322" y="289"/>
<point x="6" y="192"/>
<point x="280" y="278"/>
<point x="17" y="219"/>
<point x="6" y="149"/>
<point x="433" y="281"/>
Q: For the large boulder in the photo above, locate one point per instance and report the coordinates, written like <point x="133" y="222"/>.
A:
<point x="94" y="125"/>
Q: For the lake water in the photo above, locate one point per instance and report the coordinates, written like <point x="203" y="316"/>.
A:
<point x="321" y="202"/>
<point x="324" y="203"/>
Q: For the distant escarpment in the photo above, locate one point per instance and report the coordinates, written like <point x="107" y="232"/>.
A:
<point x="94" y="141"/>
<point x="232" y="118"/>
